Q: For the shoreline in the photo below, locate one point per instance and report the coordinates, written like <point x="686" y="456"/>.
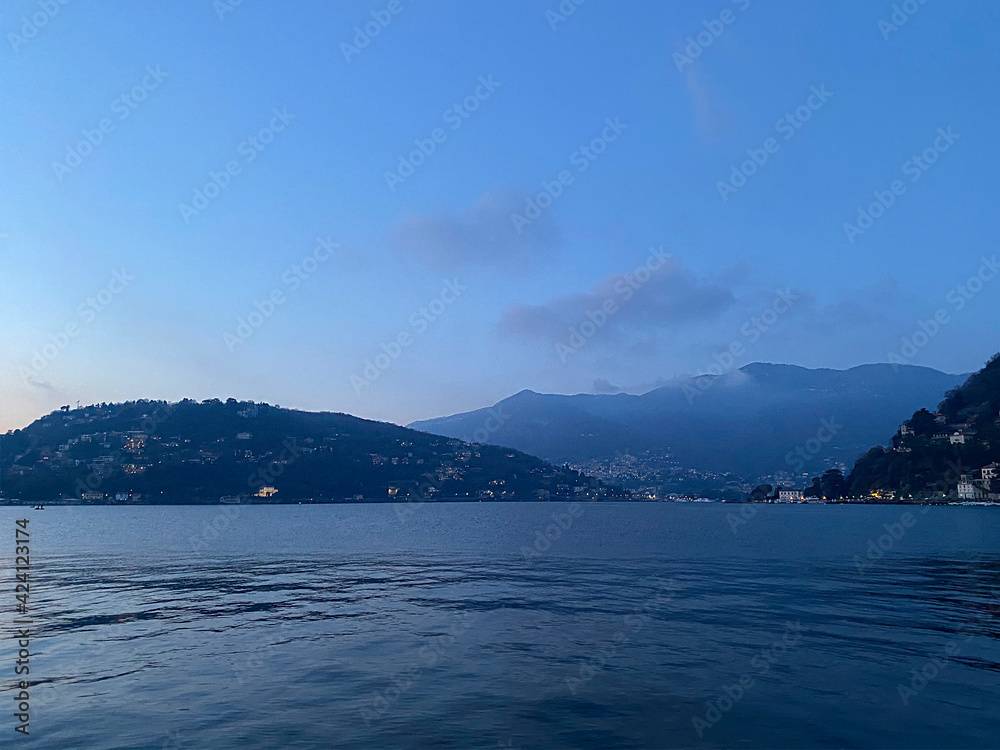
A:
<point x="58" y="503"/>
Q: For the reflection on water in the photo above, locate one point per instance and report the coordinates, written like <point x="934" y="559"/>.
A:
<point x="643" y="626"/>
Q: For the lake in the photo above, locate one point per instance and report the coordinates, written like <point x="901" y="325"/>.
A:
<point x="536" y="625"/>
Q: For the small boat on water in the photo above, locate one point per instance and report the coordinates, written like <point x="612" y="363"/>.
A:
<point x="39" y="507"/>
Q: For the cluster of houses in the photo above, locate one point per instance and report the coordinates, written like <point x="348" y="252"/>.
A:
<point x="788" y="495"/>
<point x="957" y="436"/>
<point x="980" y="485"/>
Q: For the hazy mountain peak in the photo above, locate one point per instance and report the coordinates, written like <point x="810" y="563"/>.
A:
<point x="747" y="421"/>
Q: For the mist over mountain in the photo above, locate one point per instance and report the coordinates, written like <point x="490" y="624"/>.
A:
<point x="759" y="420"/>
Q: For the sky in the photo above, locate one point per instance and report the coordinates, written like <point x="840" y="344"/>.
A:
<point x="405" y="209"/>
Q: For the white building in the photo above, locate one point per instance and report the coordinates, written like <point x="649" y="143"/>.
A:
<point x="788" y="496"/>
<point x="968" y="491"/>
<point x="957" y="438"/>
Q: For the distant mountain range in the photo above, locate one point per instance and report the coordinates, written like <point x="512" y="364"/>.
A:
<point x="199" y="452"/>
<point x="761" y="420"/>
<point x="694" y="434"/>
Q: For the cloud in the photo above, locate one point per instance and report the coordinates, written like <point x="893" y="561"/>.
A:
<point x="712" y="119"/>
<point x="829" y="329"/>
<point x="671" y="296"/>
<point x="480" y="235"/>
<point x="867" y="307"/>
<point x="681" y="323"/>
<point x="43" y="385"/>
<point x="603" y="386"/>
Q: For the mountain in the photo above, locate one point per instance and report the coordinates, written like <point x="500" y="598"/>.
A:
<point x="931" y="452"/>
<point x="191" y="452"/>
<point x="760" y="420"/>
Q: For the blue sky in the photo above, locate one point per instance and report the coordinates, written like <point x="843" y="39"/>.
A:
<point x="435" y="259"/>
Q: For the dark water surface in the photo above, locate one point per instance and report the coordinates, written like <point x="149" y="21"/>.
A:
<point x="461" y="626"/>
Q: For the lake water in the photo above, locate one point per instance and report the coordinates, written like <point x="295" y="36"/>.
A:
<point x="462" y="626"/>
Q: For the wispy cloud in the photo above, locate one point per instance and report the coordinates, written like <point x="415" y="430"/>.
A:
<point x="479" y="235"/>
<point x="672" y="296"/>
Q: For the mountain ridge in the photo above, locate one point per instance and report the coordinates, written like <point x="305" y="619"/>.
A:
<point x="199" y="452"/>
<point x="745" y="421"/>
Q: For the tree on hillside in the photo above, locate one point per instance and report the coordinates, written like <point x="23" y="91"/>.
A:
<point x="923" y="424"/>
<point x="833" y="484"/>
